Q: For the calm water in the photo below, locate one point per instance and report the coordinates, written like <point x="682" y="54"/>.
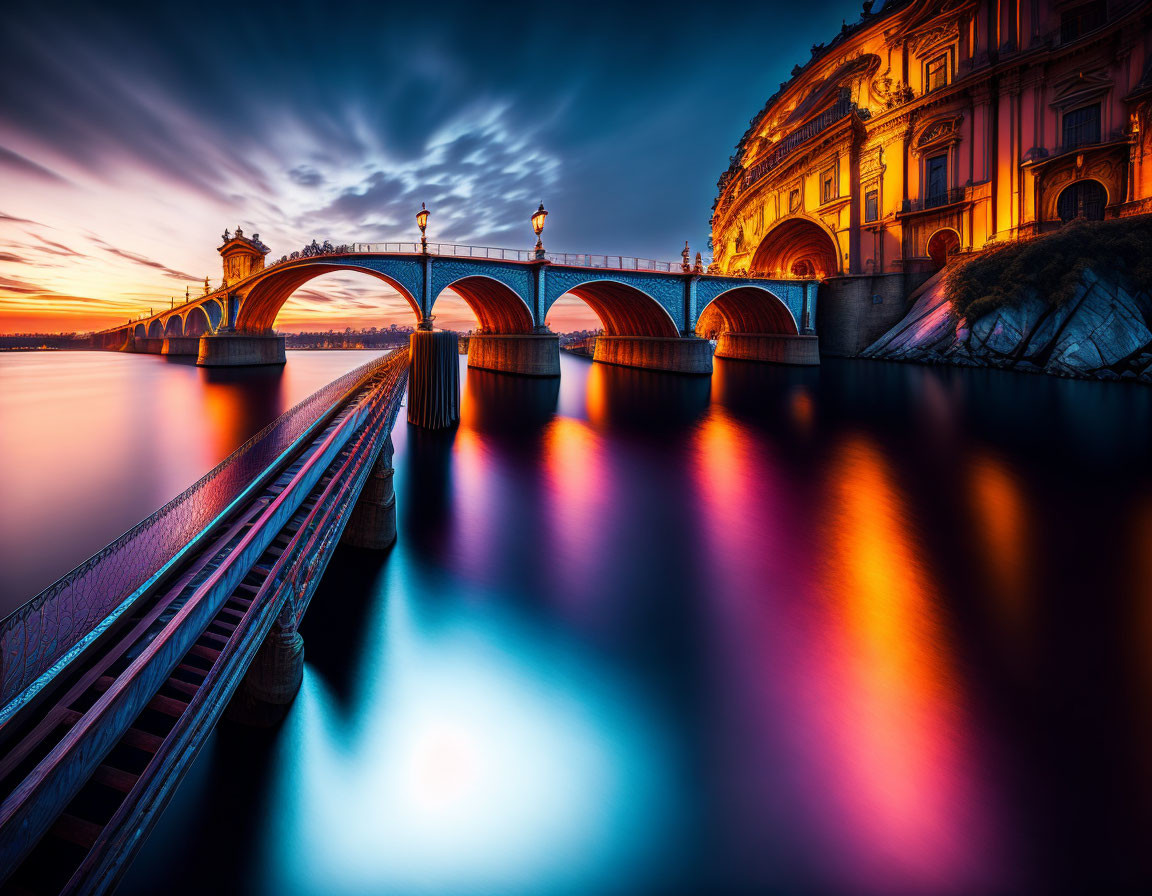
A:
<point x="91" y="443"/>
<point x="864" y="629"/>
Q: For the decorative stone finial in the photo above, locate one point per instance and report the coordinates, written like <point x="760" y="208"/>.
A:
<point x="226" y="236"/>
<point x="699" y="269"/>
<point x="239" y="232"/>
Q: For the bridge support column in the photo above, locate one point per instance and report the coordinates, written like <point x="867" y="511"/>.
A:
<point x="434" y="379"/>
<point x="181" y="345"/>
<point x="271" y="682"/>
<point x="147" y="345"/>
<point x="529" y="354"/>
<point x="769" y="348"/>
<point x="372" y="524"/>
<point x="240" y="350"/>
<point x="684" y="354"/>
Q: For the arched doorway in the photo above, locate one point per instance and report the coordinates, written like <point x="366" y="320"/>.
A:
<point x="943" y="244"/>
<point x="797" y="248"/>
<point x="1082" y="199"/>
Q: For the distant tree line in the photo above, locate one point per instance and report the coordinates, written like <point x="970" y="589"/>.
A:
<point x="368" y="337"/>
<point x="28" y="341"/>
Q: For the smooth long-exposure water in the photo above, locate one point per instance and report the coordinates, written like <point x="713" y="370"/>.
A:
<point x="92" y="443"/>
<point x="868" y="628"/>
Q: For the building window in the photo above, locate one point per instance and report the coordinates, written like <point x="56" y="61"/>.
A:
<point x="871" y="205"/>
<point x="1078" y="21"/>
<point x="936" y="74"/>
<point x="1083" y="199"/>
<point x="828" y="185"/>
<point x="936" y="173"/>
<point x="793" y="200"/>
<point x="1082" y="126"/>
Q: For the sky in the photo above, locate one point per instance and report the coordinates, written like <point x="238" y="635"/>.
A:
<point x="132" y="135"/>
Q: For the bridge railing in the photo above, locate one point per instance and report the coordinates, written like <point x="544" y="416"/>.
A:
<point x="572" y="259"/>
<point x="40" y="637"/>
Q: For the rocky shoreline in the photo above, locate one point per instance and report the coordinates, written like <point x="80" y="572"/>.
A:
<point x="1103" y="332"/>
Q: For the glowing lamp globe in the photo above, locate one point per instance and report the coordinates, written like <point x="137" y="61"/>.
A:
<point x="538" y="219"/>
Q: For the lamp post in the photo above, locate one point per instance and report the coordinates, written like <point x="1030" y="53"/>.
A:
<point x="422" y="223"/>
<point x="538" y="225"/>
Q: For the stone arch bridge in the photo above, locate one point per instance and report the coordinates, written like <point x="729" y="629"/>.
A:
<point x="655" y="315"/>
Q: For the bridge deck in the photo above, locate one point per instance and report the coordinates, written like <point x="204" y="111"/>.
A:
<point x="87" y="767"/>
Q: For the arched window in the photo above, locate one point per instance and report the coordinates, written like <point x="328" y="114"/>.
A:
<point x="1083" y="199"/>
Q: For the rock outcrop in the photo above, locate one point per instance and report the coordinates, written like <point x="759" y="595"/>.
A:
<point x="1102" y="332"/>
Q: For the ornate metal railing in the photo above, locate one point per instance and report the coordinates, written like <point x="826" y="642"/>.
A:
<point x="42" y="635"/>
<point x="493" y="253"/>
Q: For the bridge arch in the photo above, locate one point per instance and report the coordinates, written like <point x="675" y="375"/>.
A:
<point x="259" y="307"/>
<point x="198" y="320"/>
<point x="746" y="309"/>
<point x="156" y="329"/>
<point x="139" y="331"/>
<point x="797" y="247"/>
<point x="174" y="326"/>
<point x="623" y="310"/>
<point x="498" y="308"/>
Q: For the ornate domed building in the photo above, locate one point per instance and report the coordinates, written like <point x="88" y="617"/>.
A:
<point x="935" y="127"/>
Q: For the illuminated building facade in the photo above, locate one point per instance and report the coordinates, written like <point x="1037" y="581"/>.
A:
<point x="932" y="127"/>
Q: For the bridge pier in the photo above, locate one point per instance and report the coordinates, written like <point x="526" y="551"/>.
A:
<point x="272" y="681"/>
<point x="434" y="379"/>
<point x="240" y="350"/>
<point x="769" y="348"/>
<point x="372" y="523"/>
<point x="147" y="345"/>
<point x="181" y="345"/>
<point x="683" y="354"/>
<point x="528" y="354"/>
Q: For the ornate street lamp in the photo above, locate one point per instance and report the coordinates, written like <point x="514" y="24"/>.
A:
<point x="422" y="223"/>
<point x="538" y="225"/>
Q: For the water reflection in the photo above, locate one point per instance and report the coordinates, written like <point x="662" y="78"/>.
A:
<point x="625" y="397"/>
<point x="93" y="442"/>
<point x="1004" y="531"/>
<point x="914" y="815"/>
<point x="642" y="638"/>
<point x="500" y="402"/>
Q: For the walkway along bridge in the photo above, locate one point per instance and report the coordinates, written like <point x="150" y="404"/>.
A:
<point x="653" y="313"/>
<point x="112" y="678"/>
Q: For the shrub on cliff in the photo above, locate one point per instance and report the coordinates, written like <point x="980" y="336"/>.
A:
<point x="1050" y="266"/>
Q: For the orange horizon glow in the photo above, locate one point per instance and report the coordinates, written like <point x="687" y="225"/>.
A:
<point x="358" y="302"/>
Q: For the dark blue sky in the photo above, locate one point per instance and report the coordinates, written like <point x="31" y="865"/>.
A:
<point x="336" y="120"/>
